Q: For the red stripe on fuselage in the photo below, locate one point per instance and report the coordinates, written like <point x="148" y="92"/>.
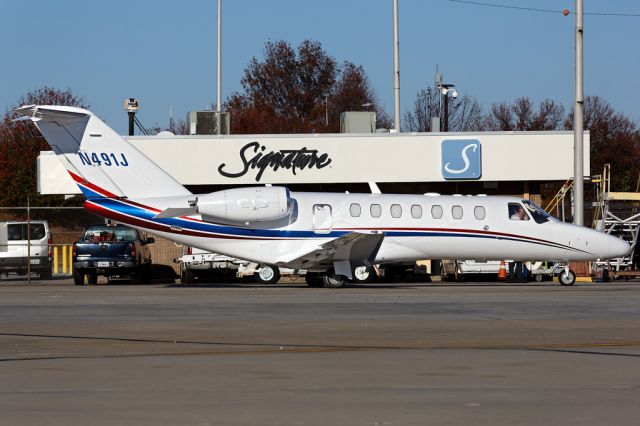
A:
<point x="83" y="181"/>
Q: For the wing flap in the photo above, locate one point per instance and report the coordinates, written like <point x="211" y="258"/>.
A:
<point x="343" y="253"/>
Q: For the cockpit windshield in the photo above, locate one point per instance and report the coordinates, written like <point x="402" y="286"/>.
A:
<point x="536" y="212"/>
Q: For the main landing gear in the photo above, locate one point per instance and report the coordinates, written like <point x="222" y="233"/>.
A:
<point x="328" y="279"/>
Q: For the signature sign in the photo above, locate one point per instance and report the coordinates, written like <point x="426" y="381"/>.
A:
<point x="255" y="156"/>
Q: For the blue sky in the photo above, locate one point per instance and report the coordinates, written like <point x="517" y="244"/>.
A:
<point x="163" y="52"/>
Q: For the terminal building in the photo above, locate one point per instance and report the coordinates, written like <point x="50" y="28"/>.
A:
<point x="492" y="163"/>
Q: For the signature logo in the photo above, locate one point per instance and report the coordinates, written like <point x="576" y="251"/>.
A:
<point x="255" y="156"/>
<point x="461" y="159"/>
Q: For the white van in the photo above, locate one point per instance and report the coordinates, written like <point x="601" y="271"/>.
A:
<point x="21" y="243"/>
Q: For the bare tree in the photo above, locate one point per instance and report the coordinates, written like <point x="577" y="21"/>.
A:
<point x="465" y="113"/>
<point x="500" y="117"/>
<point x="614" y="139"/>
<point x="522" y="115"/>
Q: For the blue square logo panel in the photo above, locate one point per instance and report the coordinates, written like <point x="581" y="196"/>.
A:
<point x="461" y="159"/>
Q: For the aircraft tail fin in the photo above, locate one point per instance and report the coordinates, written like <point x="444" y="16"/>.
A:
<point x="100" y="161"/>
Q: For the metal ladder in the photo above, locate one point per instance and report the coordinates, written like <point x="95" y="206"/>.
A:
<point x="617" y="214"/>
<point x="558" y="201"/>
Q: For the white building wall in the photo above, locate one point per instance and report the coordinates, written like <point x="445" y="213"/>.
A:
<point x="504" y="156"/>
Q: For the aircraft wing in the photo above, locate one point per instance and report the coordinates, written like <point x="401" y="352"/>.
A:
<point x="344" y="253"/>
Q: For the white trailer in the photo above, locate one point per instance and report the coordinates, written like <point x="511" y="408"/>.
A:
<point x="196" y="263"/>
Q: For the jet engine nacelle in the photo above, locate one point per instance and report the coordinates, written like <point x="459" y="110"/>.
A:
<point x="256" y="204"/>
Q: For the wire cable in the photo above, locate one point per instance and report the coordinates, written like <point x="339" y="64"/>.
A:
<point x="534" y="9"/>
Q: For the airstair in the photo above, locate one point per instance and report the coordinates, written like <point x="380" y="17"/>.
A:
<point x="617" y="214"/>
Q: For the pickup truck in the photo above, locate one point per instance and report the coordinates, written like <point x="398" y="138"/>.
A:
<point x="111" y="250"/>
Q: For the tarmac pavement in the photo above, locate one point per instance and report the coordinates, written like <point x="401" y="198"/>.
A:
<point x="285" y="354"/>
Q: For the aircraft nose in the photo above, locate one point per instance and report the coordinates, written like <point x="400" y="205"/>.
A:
<point x="617" y="247"/>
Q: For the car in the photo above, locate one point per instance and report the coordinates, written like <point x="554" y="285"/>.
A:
<point x="26" y="246"/>
<point x="111" y="250"/>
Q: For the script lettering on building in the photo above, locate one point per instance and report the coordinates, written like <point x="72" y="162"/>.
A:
<point x="254" y="156"/>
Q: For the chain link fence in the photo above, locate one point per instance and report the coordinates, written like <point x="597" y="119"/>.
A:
<point x="36" y="243"/>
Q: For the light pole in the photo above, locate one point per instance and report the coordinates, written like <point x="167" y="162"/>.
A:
<point x="445" y="90"/>
<point x="396" y="69"/>
<point x="219" y="70"/>
<point x="326" y="110"/>
<point x="578" y="154"/>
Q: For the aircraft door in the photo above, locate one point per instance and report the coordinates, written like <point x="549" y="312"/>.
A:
<point x="322" y="220"/>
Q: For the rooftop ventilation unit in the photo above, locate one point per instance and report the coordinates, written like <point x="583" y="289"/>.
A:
<point x="204" y="123"/>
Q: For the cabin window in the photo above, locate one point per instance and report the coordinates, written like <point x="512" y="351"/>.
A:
<point x="456" y="212"/>
<point x="375" y="210"/>
<point x="396" y="210"/>
<point x="479" y="212"/>
<point x="416" y="211"/>
<point x="355" y="210"/>
<point x="436" y="212"/>
<point x="517" y="212"/>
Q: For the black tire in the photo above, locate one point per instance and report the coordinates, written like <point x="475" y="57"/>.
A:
<point x="331" y="280"/>
<point x="145" y="273"/>
<point x="186" y="276"/>
<point x="539" y="278"/>
<point x="267" y="274"/>
<point x="78" y="277"/>
<point x="457" y="276"/>
<point x="567" y="278"/>
<point x="45" y="274"/>
<point x="313" y="280"/>
<point x="92" y="277"/>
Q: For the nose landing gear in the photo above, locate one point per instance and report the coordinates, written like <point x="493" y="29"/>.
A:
<point x="567" y="276"/>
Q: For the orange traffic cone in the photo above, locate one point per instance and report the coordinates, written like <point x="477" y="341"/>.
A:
<point x="502" y="273"/>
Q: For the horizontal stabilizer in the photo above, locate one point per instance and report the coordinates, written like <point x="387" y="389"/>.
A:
<point x="176" y="212"/>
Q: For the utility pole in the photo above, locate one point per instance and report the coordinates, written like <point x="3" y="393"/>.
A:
<point x="578" y="115"/>
<point x="219" y="82"/>
<point x="396" y="69"/>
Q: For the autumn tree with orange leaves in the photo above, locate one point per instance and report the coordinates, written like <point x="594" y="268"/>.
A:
<point x="20" y="144"/>
<point x="301" y="90"/>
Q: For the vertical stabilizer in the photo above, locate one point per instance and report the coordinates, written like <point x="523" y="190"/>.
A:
<point x="102" y="163"/>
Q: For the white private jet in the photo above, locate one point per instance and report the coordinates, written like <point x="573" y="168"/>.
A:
<point x="327" y="234"/>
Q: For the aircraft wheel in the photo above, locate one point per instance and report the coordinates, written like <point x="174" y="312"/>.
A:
<point x="362" y="274"/>
<point x="186" y="276"/>
<point x="78" y="277"/>
<point x="457" y="276"/>
<point x="539" y="277"/>
<point x="331" y="280"/>
<point x="313" y="279"/>
<point x="567" y="277"/>
<point x="267" y="274"/>
<point x="443" y="273"/>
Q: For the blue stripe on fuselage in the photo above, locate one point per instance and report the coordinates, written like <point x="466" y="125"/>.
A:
<point x="125" y="207"/>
